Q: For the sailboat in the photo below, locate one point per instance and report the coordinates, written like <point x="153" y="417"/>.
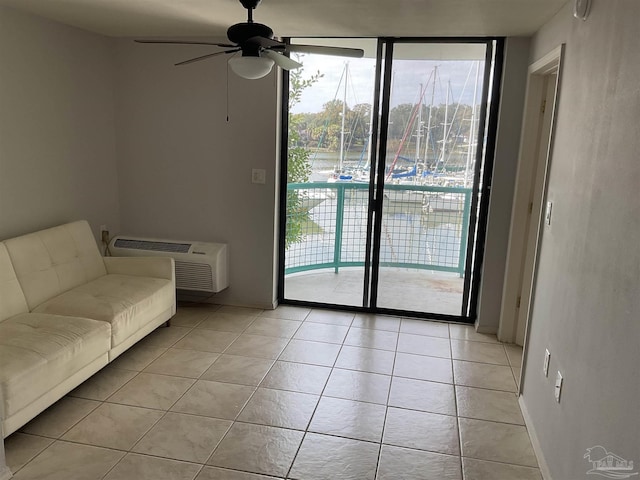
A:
<point x="339" y="174"/>
<point x="454" y="202"/>
<point x="352" y="173"/>
<point x="409" y="201"/>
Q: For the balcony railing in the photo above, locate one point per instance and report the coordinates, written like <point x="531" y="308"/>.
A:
<point x="423" y="227"/>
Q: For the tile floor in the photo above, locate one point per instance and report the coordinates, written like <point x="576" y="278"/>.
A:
<point x="240" y="394"/>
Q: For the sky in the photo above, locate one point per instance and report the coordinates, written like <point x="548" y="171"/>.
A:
<point x="407" y="76"/>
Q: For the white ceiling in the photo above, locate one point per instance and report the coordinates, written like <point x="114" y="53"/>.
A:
<point x="347" y="18"/>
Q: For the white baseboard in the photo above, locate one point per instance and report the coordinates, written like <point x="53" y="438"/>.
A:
<point x="542" y="464"/>
<point x="232" y="303"/>
<point x="490" y="330"/>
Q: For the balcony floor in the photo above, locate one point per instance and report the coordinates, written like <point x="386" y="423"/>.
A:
<point x="400" y="289"/>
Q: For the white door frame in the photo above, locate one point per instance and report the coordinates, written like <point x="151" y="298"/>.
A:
<point x="543" y="87"/>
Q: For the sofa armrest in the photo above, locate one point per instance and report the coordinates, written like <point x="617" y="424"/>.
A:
<point x="157" y="267"/>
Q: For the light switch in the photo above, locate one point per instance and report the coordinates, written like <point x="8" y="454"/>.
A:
<point x="547" y="214"/>
<point x="259" y="175"/>
<point x="545" y="367"/>
<point x="558" y="387"/>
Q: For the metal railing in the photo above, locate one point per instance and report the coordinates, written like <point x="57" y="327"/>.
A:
<point x="423" y="227"/>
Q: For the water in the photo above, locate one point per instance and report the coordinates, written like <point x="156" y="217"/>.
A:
<point x="323" y="164"/>
<point x="409" y="235"/>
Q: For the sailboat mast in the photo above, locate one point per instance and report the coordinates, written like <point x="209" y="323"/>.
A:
<point x="368" y="165"/>
<point x="445" y="132"/>
<point x="344" y="114"/>
<point x="433" y="99"/>
<point x="419" y="127"/>
<point x="472" y="128"/>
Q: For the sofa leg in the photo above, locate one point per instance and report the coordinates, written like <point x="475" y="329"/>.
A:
<point x="167" y="323"/>
<point x="5" y="473"/>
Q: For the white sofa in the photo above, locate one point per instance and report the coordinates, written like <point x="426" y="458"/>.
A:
<point x="65" y="312"/>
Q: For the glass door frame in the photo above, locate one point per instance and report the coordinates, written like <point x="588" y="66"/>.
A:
<point x="483" y="169"/>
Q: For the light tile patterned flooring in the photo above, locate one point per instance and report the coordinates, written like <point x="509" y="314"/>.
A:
<point x="240" y="394"/>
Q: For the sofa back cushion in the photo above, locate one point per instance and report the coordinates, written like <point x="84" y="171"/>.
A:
<point x="12" y="301"/>
<point x="50" y="262"/>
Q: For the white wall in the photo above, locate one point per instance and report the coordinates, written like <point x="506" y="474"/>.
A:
<point x="587" y="303"/>
<point x="57" y="137"/>
<point x="185" y="172"/>
<point x="182" y="171"/>
<point x="514" y="77"/>
<point x="110" y="131"/>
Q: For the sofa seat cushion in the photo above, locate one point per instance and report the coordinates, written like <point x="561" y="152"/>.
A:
<point x="127" y="302"/>
<point x="39" y="351"/>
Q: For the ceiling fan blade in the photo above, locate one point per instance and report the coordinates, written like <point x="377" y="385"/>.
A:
<point x="281" y="60"/>
<point x="204" y="57"/>
<point x="265" y="42"/>
<point x="186" y="42"/>
<point x="322" y="50"/>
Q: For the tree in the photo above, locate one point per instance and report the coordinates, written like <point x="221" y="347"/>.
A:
<point x="330" y="119"/>
<point x="399" y="120"/>
<point x="298" y="166"/>
<point x="457" y="128"/>
<point x="359" y="118"/>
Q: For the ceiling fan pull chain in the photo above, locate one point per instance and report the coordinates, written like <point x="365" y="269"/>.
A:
<point x="227" y="88"/>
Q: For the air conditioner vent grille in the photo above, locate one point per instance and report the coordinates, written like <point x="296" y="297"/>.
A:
<point x="169" y="247"/>
<point x="194" y="276"/>
<point x="199" y="266"/>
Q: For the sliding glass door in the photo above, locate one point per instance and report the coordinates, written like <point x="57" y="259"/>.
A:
<point x="328" y="170"/>
<point x="429" y="164"/>
<point x="383" y="176"/>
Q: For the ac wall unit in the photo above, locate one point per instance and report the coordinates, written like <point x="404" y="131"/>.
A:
<point x="199" y="266"/>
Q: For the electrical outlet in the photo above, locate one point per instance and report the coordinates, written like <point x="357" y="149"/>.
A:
<point x="259" y="175"/>
<point x="104" y="234"/>
<point x="547" y="357"/>
<point x="558" y="386"/>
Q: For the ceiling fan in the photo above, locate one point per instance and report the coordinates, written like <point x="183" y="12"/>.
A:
<point x="260" y="51"/>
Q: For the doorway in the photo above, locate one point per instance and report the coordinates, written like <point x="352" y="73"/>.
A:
<point x="382" y="180"/>
<point x="530" y="207"/>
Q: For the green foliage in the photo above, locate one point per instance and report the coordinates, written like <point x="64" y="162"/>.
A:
<point x="457" y="124"/>
<point x="324" y="129"/>
<point x="298" y="166"/>
<point x="359" y="118"/>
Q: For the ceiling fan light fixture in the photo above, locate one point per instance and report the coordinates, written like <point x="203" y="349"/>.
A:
<point x="260" y="51"/>
<point x="251" y="68"/>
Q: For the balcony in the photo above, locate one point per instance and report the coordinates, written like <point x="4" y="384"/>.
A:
<point x="423" y="243"/>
